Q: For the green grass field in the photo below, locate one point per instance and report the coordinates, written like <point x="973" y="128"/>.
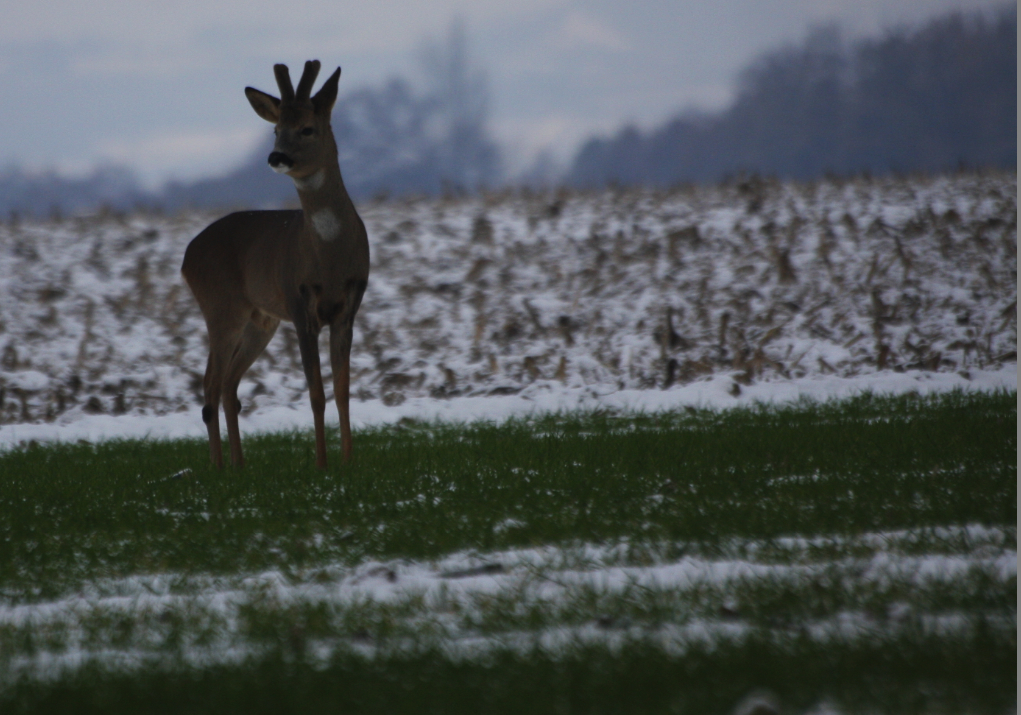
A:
<point x="859" y="555"/>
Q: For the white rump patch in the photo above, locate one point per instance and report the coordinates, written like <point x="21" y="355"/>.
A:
<point x="310" y="183"/>
<point x="326" y="224"/>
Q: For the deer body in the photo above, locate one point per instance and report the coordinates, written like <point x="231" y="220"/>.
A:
<point x="252" y="269"/>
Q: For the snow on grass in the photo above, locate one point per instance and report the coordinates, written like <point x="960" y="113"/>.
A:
<point x="838" y="589"/>
<point x="547" y="301"/>
<point x="718" y="392"/>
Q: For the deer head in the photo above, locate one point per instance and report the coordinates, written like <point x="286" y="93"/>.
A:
<point x="304" y="140"/>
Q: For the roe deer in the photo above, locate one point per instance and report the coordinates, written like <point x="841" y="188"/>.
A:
<point x="252" y="269"/>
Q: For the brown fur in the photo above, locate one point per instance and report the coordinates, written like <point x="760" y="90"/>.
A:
<point x="252" y="269"/>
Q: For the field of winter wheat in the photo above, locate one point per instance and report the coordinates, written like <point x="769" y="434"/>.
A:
<point x="555" y="294"/>
<point x="615" y="549"/>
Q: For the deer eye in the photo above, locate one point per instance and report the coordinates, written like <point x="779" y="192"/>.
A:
<point x="307" y="132"/>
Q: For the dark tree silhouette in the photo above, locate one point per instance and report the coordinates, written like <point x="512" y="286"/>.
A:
<point x="923" y="99"/>
<point x="394" y="138"/>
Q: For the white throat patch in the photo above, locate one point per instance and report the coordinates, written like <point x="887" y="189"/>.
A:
<point x="310" y="183"/>
<point x="326" y="224"/>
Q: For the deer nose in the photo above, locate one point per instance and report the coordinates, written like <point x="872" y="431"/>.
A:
<point x="280" y="161"/>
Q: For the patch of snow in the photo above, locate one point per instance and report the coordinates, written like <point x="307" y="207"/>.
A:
<point x="442" y="608"/>
<point x="28" y="380"/>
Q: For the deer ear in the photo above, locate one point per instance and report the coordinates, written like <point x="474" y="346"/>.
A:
<point x="265" y="105"/>
<point x="327" y="95"/>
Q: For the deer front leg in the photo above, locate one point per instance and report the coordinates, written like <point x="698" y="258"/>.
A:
<point x="308" y="344"/>
<point x="340" y="361"/>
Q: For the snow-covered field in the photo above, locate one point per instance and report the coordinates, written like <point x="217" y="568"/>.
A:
<point x="508" y="303"/>
<point x="548" y="598"/>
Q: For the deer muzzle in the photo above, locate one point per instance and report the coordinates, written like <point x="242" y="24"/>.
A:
<point x="280" y="162"/>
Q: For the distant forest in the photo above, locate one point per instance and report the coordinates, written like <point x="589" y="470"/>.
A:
<point x="939" y="96"/>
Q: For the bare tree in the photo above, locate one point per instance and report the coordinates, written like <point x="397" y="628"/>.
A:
<point x="457" y="92"/>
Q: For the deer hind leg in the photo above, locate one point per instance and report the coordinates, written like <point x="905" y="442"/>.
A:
<point x="223" y="343"/>
<point x="254" y="338"/>
<point x="211" y="386"/>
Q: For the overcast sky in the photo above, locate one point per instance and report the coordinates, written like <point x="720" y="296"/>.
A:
<point x="158" y="87"/>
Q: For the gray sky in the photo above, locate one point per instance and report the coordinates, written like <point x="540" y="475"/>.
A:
<point x="159" y="87"/>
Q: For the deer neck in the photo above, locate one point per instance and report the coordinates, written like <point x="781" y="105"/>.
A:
<point x="329" y="212"/>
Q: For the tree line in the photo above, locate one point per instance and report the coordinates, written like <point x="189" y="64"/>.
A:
<point x="935" y="97"/>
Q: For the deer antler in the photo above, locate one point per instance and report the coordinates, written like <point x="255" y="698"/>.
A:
<point x="284" y="83"/>
<point x="308" y="78"/>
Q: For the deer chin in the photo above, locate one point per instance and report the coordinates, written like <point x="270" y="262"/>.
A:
<point x="312" y="182"/>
